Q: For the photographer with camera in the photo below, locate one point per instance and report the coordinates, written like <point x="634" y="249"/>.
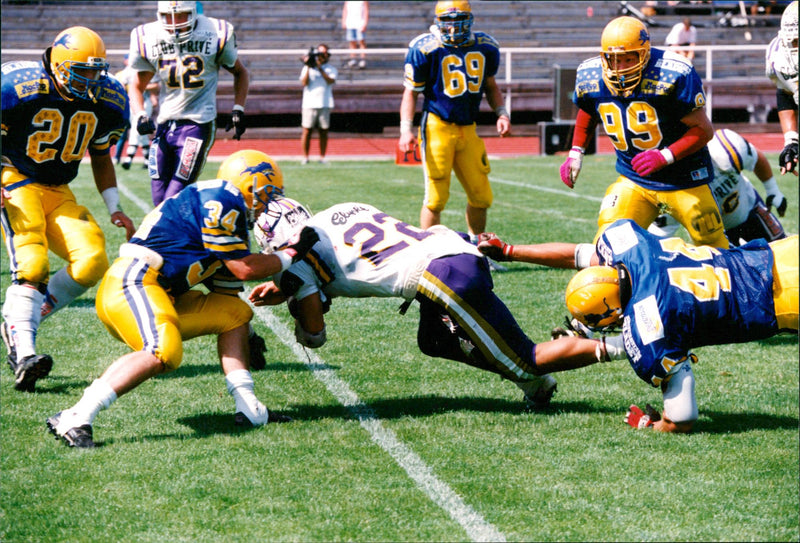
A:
<point x="317" y="78"/>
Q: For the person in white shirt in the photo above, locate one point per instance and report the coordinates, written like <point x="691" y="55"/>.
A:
<point x="317" y="78"/>
<point x="355" y="16"/>
<point x="682" y="35"/>
<point x="782" y="70"/>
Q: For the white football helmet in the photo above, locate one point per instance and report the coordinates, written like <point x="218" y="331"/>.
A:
<point x="180" y="29"/>
<point x="788" y="34"/>
<point x="283" y="219"/>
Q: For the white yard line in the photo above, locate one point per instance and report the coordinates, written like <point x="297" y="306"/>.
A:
<point x="439" y="492"/>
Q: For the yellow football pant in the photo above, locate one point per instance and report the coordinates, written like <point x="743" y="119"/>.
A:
<point x="40" y="217"/>
<point x="785" y="282"/>
<point x="695" y="208"/>
<point x="137" y="310"/>
<point x="448" y="147"/>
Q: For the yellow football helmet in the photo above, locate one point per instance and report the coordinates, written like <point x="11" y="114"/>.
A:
<point x="621" y="36"/>
<point x="256" y="175"/>
<point x="180" y="30"/>
<point x="593" y="296"/>
<point x="78" y="62"/>
<point x="454" y="20"/>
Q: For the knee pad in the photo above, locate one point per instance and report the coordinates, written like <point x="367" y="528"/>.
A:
<point x="680" y="404"/>
<point x="89" y="270"/>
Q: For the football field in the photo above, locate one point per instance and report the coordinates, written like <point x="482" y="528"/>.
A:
<point x="390" y="445"/>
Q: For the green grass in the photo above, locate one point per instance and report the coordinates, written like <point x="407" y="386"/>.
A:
<point x="172" y="467"/>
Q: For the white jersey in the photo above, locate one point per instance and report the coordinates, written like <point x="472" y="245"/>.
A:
<point x="780" y="71"/>
<point x="363" y="252"/>
<point x="189" y="72"/>
<point x="735" y="195"/>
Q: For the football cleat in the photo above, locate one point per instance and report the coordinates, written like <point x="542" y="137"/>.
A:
<point x="540" y="398"/>
<point x="257" y="349"/>
<point x="79" y="437"/>
<point x="9" y="341"/>
<point x="240" y="419"/>
<point x="30" y="369"/>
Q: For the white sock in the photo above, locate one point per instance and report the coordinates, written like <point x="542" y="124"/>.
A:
<point x="241" y="387"/>
<point x="61" y="291"/>
<point x="22" y="313"/>
<point x="97" y="396"/>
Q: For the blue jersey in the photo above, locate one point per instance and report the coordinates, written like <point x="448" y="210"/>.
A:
<point x="451" y="78"/>
<point x="683" y="296"/>
<point x="45" y="136"/>
<point x="650" y="118"/>
<point x="194" y="231"/>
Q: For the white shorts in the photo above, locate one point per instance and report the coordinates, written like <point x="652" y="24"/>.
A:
<point x="316" y="117"/>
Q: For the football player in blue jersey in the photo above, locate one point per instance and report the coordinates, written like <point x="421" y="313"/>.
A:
<point x="146" y="299"/>
<point x="54" y="111"/>
<point x="452" y="67"/>
<point x="669" y="297"/>
<point x="652" y="106"/>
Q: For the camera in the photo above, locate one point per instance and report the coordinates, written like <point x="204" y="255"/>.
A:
<point x="311" y="57"/>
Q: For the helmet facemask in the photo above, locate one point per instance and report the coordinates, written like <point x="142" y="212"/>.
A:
<point x="623" y="38"/>
<point x="82" y="79"/>
<point x="454" y="21"/>
<point x="178" y="19"/>
<point x="282" y="219"/>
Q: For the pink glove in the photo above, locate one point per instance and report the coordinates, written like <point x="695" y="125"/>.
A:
<point x="639" y="419"/>
<point x="572" y="167"/>
<point x="651" y="161"/>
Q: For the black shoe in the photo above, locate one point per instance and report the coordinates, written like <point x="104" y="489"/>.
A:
<point x="30" y="369"/>
<point x="126" y="164"/>
<point x="80" y="436"/>
<point x="258" y="347"/>
<point x="12" y="351"/>
<point x="240" y="419"/>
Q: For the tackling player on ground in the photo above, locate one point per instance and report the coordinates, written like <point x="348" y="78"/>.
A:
<point x="54" y="110"/>
<point x="187" y="51"/>
<point x="782" y="70"/>
<point x="669" y="297"/>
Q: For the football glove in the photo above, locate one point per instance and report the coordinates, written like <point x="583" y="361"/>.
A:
<point x="788" y="157"/>
<point x="236" y="121"/>
<point x="145" y="125"/>
<point x="305" y="240"/>
<point x="642" y="419"/>
<point x="651" y="161"/>
<point x="572" y="167"/>
<point x="775" y="197"/>
<point x="493" y="247"/>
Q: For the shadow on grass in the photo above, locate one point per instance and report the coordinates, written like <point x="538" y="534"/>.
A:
<point x="734" y="423"/>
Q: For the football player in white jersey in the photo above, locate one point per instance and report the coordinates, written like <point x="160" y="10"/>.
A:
<point x="363" y="252"/>
<point x="782" y="70"/>
<point x="745" y="215"/>
<point x="186" y="50"/>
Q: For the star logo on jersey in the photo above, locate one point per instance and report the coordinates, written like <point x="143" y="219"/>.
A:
<point x="264" y="168"/>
